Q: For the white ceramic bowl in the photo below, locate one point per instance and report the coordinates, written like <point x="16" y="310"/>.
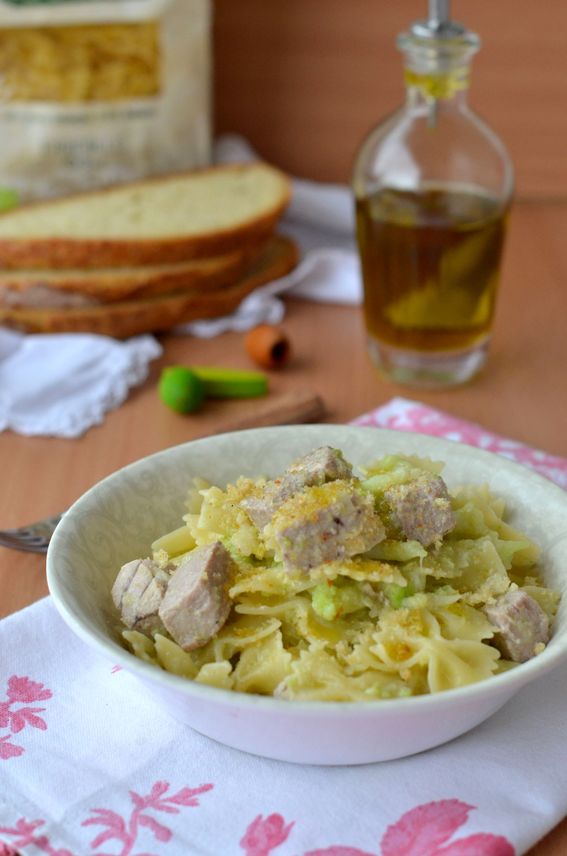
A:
<point x="118" y="519"/>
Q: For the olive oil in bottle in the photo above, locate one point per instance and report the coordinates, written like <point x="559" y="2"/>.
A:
<point x="430" y="263"/>
<point x="433" y="185"/>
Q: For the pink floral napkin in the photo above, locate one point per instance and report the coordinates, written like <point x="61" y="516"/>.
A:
<point x="90" y="765"/>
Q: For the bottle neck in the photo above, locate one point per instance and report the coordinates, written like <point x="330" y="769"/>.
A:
<point x="437" y="65"/>
<point x="445" y="90"/>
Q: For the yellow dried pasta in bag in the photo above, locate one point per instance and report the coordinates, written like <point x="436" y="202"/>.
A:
<point x="92" y="62"/>
<point x="98" y="93"/>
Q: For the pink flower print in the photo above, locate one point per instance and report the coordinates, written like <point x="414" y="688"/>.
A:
<point x="24" y="833"/>
<point x="21" y="690"/>
<point x="339" y="851"/>
<point x="26" y="691"/>
<point x="424" y="830"/>
<point x="9" y="750"/>
<point x="127" y="831"/>
<point x="263" y="836"/>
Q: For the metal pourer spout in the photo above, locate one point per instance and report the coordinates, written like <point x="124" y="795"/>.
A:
<point x="438" y="13"/>
<point x="438" y="24"/>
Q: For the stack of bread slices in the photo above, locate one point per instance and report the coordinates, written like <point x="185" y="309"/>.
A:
<point x="144" y="256"/>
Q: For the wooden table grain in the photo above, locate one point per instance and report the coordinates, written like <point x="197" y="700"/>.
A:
<point x="520" y="394"/>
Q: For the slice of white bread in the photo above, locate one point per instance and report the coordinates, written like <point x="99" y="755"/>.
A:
<point x="130" y="317"/>
<point x="59" y="289"/>
<point x="156" y="221"/>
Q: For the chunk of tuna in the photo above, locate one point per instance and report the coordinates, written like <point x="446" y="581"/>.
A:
<point x="317" y="467"/>
<point x="521" y="623"/>
<point x="324" y="523"/>
<point x="261" y="509"/>
<point x="196" y="604"/>
<point x="138" y="592"/>
<point x="122" y="582"/>
<point x="421" y="509"/>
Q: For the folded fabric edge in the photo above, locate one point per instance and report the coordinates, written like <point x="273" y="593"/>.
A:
<point x="139" y="350"/>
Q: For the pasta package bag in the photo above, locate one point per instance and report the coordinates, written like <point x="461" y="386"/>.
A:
<point x="96" y="93"/>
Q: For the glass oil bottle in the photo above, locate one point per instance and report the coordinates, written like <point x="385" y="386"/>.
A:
<point x="433" y="186"/>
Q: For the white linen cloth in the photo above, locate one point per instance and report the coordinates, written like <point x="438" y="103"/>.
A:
<point x="63" y="384"/>
<point x="89" y="764"/>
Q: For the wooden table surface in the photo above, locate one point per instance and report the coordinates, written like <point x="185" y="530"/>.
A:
<point x="521" y="394"/>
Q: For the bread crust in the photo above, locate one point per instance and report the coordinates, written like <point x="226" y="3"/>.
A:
<point x="160" y="313"/>
<point x="63" y="253"/>
<point x="107" y="285"/>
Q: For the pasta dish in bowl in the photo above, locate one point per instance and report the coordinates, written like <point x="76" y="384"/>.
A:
<point x="320" y="594"/>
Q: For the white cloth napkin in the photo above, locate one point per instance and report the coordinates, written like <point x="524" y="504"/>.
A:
<point x="89" y="764"/>
<point x="61" y="385"/>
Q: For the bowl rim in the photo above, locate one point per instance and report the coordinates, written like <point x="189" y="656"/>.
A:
<point x="507" y="682"/>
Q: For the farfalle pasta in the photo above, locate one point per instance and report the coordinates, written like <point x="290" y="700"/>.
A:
<point x="330" y="585"/>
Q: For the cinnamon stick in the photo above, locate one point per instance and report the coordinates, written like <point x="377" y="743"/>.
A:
<point x="287" y="408"/>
